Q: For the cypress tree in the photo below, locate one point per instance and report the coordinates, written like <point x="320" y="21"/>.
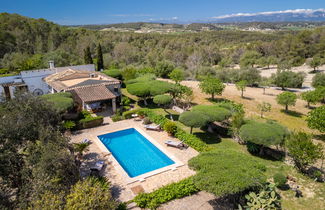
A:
<point x="100" y="61"/>
<point x="87" y="56"/>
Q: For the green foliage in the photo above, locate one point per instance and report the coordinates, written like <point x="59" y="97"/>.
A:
<point x="177" y="75"/>
<point x="311" y="97"/>
<point x="316" y="118"/>
<point x="264" y="107"/>
<point x="100" y="60"/>
<point x="213" y="112"/>
<point x="129" y="73"/>
<point x="211" y="85"/>
<point x="128" y="114"/>
<point x="266" y="134"/>
<point x="249" y="58"/>
<point x="69" y="124"/>
<point x="164" y="68"/>
<point x="286" y="99"/>
<point x="280" y="180"/>
<point x="91" y="193"/>
<point x="170" y="127"/>
<point x="182" y="135"/>
<point x="115" y="73"/>
<point x="267" y="198"/>
<point x="142" y="78"/>
<point x="250" y="75"/>
<point x="227" y="172"/>
<point x="87" y="56"/>
<point x="318" y="80"/>
<point x="80" y="148"/>
<point x="315" y="62"/>
<point x="90" y="122"/>
<point x="167" y="193"/>
<point x="193" y="119"/>
<point x="288" y="79"/>
<point x="241" y="86"/>
<point x="303" y="151"/>
<point x="162" y="99"/>
<point x="62" y="102"/>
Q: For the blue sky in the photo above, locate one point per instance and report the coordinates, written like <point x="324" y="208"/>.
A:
<point x="68" y="12"/>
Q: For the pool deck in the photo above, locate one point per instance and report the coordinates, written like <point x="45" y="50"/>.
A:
<point x="123" y="187"/>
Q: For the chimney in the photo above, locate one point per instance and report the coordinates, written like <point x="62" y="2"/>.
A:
<point x="51" y="64"/>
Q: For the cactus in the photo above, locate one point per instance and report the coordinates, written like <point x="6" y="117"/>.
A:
<point x="265" y="199"/>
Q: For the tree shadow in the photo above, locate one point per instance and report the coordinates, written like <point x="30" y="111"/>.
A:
<point x="247" y="98"/>
<point x="174" y="116"/>
<point x="218" y="100"/>
<point x="320" y="137"/>
<point x="116" y="191"/>
<point x="208" y="138"/>
<point x="292" y="113"/>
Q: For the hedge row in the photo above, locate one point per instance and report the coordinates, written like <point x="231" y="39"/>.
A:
<point x="182" y="135"/>
<point x="91" y="122"/>
<point x="167" y="193"/>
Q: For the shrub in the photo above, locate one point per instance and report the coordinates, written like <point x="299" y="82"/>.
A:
<point x="318" y="80"/>
<point x="146" y="121"/>
<point x="213" y="112"/>
<point x="90" y="122"/>
<point x="117" y="117"/>
<point x="267" y="198"/>
<point x="162" y="99"/>
<point x="182" y="135"/>
<point x="316" y="118"/>
<point x="170" y="127"/>
<point x="303" y="151"/>
<point x="280" y="180"/>
<point x="62" y="102"/>
<point x="167" y="193"/>
<point x="69" y="124"/>
<point x="128" y="114"/>
<point x="115" y="73"/>
<point x="227" y="172"/>
<point x="193" y="119"/>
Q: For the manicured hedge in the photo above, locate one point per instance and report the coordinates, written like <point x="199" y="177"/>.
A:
<point x="167" y="193"/>
<point x="128" y="114"/>
<point x="182" y="135"/>
<point x="62" y="102"/>
<point x="91" y="122"/>
<point x="223" y="172"/>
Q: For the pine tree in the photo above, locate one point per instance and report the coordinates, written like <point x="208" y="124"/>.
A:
<point x="87" y="56"/>
<point x="100" y="61"/>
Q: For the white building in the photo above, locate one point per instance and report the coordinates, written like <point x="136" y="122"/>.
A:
<point x="33" y="80"/>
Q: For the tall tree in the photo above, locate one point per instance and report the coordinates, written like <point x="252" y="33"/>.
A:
<point x="100" y="60"/>
<point x="241" y="85"/>
<point x="87" y="56"/>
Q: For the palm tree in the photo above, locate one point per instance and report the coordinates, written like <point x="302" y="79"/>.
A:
<point x="80" y="148"/>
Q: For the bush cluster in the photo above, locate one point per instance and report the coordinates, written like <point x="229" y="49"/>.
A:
<point x="280" y="180"/>
<point x="182" y="135"/>
<point x="88" y="121"/>
<point x="167" y="193"/>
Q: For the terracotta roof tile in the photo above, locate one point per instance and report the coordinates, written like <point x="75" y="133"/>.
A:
<point x="94" y="93"/>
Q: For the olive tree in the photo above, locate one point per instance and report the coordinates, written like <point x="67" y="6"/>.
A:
<point x="311" y="97"/>
<point x="303" y="151"/>
<point x="286" y="99"/>
<point x="264" y="107"/>
<point x="163" y="100"/>
<point x="318" y="80"/>
<point x="241" y="86"/>
<point x="177" y="75"/>
<point x="211" y="85"/>
<point x="193" y="119"/>
<point x="315" y="62"/>
<point x="316" y="119"/>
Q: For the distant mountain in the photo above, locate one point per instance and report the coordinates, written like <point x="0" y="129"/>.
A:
<point x="275" y="16"/>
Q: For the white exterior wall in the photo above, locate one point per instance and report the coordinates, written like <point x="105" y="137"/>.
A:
<point x="34" y="78"/>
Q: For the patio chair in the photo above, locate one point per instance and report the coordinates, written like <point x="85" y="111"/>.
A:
<point x="94" y="170"/>
<point x="177" y="144"/>
<point x="86" y="141"/>
<point x="153" y="127"/>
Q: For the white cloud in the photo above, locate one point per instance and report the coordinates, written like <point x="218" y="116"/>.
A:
<point x="296" y="11"/>
<point x="132" y="15"/>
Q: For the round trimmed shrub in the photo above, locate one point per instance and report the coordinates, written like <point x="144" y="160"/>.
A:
<point x="162" y="99"/>
<point x="280" y="180"/>
<point x="213" y="112"/>
<point x="193" y="119"/>
<point x="115" y="73"/>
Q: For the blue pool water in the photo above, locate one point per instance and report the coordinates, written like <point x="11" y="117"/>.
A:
<point x="134" y="152"/>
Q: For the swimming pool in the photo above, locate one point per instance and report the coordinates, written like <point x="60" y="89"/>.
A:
<point x="136" y="154"/>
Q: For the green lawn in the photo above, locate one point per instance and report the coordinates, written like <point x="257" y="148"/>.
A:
<point x="313" y="192"/>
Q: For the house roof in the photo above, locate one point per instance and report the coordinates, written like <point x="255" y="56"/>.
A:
<point x="70" y="79"/>
<point x="94" y="93"/>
